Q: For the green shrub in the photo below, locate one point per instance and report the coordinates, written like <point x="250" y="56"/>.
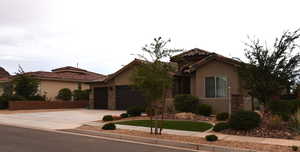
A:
<point x="135" y="111"/>
<point x="244" y="120"/>
<point x="204" y="109"/>
<point x="186" y="103"/>
<point x="109" y="126"/>
<point x="16" y="98"/>
<point x="222" y="116"/>
<point x="284" y="108"/>
<point x="25" y="85"/>
<point x="221" y="126"/>
<point x="64" y="94"/>
<point x="108" y="118"/>
<point x="124" y="115"/>
<point x="211" y="138"/>
<point x="81" y="94"/>
<point x="4" y="102"/>
<point x="295" y="148"/>
<point x="37" y="98"/>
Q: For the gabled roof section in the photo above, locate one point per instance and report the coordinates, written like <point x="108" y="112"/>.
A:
<point x="212" y="57"/>
<point x="67" y="74"/>
<point x="126" y="67"/>
<point x="189" y="53"/>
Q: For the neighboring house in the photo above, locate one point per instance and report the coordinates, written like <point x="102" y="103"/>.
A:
<point x="211" y="77"/>
<point x="4" y="77"/>
<point x="65" y="77"/>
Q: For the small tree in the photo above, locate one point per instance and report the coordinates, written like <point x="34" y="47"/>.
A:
<point x="153" y="78"/>
<point x="270" y="71"/>
<point x="25" y="85"/>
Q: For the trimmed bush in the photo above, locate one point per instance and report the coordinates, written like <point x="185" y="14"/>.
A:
<point x="124" y="115"/>
<point x="64" y="94"/>
<point x="295" y="148"/>
<point x="186" y="103"/>
<point x="284" y="108"/>
<point x="81" y="94"/>
<point x="222" y="116"/>
<point x="221" y="126"/>
<point x="204" y="109"/>
<point x="36" y="98"/>
<point x="109" y="126"/>
<point x="4" y="102"/>
<point x="211" y="138"/>
<point x="108" y="118"/>
<point x="244" y="120"/>
<point x="135" y="111"/>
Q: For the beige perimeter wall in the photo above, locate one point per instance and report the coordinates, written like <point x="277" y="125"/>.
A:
<point x="51" y="88"/>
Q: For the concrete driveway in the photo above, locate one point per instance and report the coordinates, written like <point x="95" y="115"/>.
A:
<point x="67" y="119"/>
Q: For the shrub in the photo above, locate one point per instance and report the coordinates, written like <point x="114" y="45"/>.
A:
<point x="222" y="116"/>
<point x="284" y="108"/>
<point x="108" y="118"/>
<point x="25" y="85"/>
<point x="81" y="94"/>
<point x="64" y="94"/>
<point x="274" y="122"/>
<point x="109" y="126"/>
<point x="244" y="120"/>
<point x="295" y="148"/>
<point x="4" y="102"/>
<point x="221" y="126"/>
<point x="124" y="115"/>
<point x="186" y="103"/>
<point x="211" y="138"/>
<point x="37" y="98"/>
<point x="16" y="98"/>
<point x="204" y="109"/>
<point x="135" y="111"/>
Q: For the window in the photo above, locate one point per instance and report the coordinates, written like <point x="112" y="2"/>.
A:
<point x="215" y="86"/>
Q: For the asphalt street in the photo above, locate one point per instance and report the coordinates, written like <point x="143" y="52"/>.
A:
<point x="14" y="139"/>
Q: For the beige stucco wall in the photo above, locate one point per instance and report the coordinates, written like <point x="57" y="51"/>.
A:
<point x="124" y="77"/>
<point x="215" y="68"/>
<point x="51" y="88"/>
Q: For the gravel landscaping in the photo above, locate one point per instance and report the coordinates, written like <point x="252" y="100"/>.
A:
<point x="172" y="124"/>
<point x="198" y="140"/>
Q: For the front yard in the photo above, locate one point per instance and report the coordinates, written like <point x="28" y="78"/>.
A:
<point x="171" y="124"/>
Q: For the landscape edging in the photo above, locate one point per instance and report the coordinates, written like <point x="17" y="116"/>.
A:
<point x="164" y="142"/>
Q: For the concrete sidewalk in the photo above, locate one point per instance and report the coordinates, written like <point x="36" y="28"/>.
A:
<point x="272" y="141"/>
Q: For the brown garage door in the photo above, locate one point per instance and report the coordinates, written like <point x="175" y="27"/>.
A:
<point x="101" y="98"/>
<point x="126" y="97"/>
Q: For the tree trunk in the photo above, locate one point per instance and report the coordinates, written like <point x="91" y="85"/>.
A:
<point x="163" y="111"/>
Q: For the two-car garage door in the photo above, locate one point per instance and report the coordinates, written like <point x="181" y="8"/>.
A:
<point x="125" y="97"/>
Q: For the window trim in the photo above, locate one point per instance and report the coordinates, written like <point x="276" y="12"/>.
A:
<point x="215" y="76"/>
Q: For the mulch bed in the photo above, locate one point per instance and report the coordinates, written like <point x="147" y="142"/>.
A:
<point x="198" y="140"/>
<point x="282" y="131"/>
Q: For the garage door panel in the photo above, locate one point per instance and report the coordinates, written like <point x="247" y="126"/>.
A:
<point x="126" y="97"/>
<point x="101" y="98"/>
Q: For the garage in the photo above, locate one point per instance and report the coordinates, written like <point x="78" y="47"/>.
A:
<point x="126" y="97"/>
<point x="100" y="98"/>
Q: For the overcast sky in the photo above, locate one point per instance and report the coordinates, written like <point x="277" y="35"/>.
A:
<point x="102" y="35"/>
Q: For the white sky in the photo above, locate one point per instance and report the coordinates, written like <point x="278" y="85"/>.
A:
<point x="102" y="35"/>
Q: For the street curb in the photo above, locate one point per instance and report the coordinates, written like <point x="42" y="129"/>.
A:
<point x="205" y="147"/>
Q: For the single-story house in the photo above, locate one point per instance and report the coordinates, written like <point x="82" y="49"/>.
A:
<point x="210" y="76"/>
<point x="65" y="77"/>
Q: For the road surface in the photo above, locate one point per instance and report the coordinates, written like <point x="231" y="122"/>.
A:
<point x="14" y="139"/>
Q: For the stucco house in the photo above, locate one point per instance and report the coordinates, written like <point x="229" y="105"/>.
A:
<point x="65" y="77"/>
<point x="210" y="76"/>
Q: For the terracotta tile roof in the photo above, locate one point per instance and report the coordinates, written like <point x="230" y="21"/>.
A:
<point x="67" y="74"/>
<point x="3" y="73"/>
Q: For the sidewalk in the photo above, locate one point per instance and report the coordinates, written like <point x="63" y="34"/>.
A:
<point x="272" y="141"/>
